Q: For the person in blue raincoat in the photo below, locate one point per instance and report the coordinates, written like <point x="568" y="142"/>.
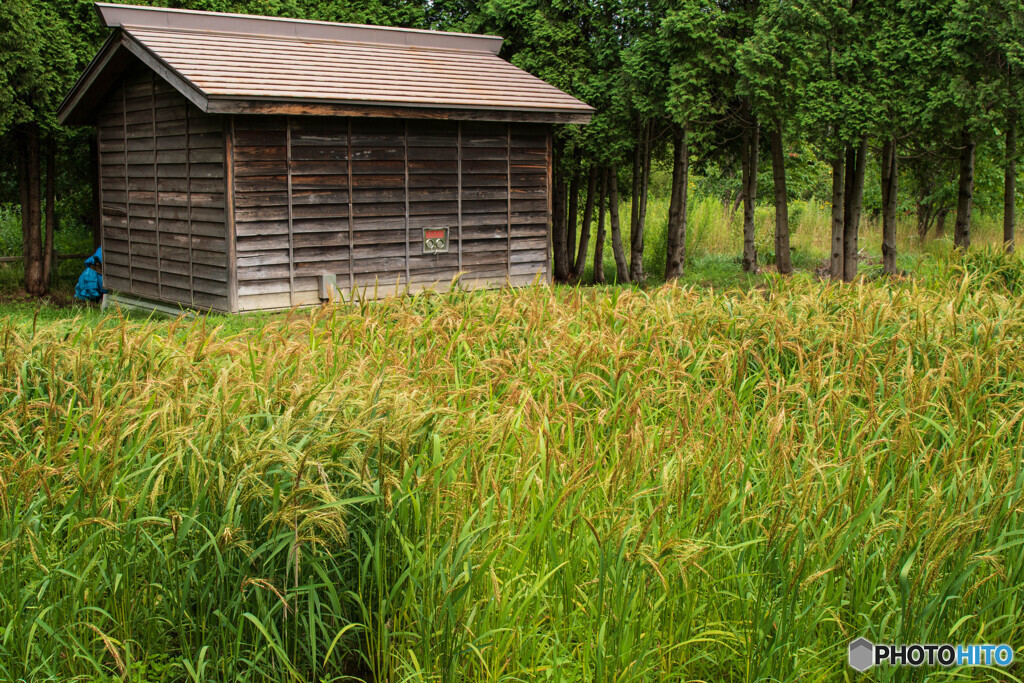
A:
<point x="90" y="282"/>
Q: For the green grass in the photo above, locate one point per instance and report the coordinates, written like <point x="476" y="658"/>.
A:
<point x="681" y="483"/>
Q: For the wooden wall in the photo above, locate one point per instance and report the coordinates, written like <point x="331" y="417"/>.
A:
<point x="351" y="197"/>
<point x="162" y="166"/>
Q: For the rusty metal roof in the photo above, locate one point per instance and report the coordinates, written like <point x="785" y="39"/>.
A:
<point x="239" y="63"/>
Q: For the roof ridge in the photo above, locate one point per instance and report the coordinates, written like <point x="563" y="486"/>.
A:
<point x="133" y="28"/>
<point x="114" y="15"/>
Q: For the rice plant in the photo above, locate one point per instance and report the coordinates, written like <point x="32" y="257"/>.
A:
<point x="543" y="484"/>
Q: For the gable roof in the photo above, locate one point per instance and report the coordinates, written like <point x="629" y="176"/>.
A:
<point x="231" y="63"/>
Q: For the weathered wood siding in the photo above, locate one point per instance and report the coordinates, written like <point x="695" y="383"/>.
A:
<point x="351" y="197"/>
<point x="162" y="194"/>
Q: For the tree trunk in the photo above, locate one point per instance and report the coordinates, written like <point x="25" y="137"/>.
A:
<point x="838" y="199"/>
<point x="675" y="258"/>
<point x="890" y="192"/>
<point x="856" y="160"/>
<point x="21" y="154"/>
<point x="965" y="196"/>
<point x="94" y="168"/>
<point x="749" y="162"/>
<point x="782" y="257"/>
<point x="621" y="265"/>
<point x="634" y="201"/>
<point x="31" y="220"/>
<point x="573" y="215"/>
<point x="636" y="243"/>
<point x="1010" y="189"/>
<point x="51" y="209"/>
<point x="637" y="206"/>
<point x="922" y="219"/>
<point x="599" y="239"/>
<point x="940" y="222"/>
<point x="588" y="214"/>
<point x="559" y="227"/>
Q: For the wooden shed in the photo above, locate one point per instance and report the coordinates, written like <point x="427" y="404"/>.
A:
<point x="252" y="163"/>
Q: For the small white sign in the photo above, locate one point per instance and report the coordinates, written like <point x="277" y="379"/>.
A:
<point x="435" y="240"/>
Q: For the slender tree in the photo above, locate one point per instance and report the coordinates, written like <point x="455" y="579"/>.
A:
<point x="676" y="238"/>
<point x="774" y="71"/>
<point x="782" y="252"/>
<point x="853" y="202"/>
<point x="1010" y="186"/>
<point x="749" y="158"/>
<point x="890" y="191"/>
<point x="599" y="278"/>
<point x="560" y="220"/>
<point x="838" y="217"/>
<point x="965" y="191"/>
<point x="580" y="263"/>
<point x="621" y="264"/>
<point x="702" y="39"/>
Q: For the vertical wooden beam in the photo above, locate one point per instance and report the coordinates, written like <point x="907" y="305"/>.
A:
<point x="188" y="201"/>
<point x="127" y="189"/>
<point x="550" y="196"/>
<point x="291" y="233"/>
<point x="99" y="194"/>
<point x="156" y="190"/>
<point x="405" y="155"/>
<point x="94" y="185"/>
<point x="459" y="182"/>
<point x="351" y="221"/>
<point x="229" y="211"/>
<point x="508" y="201"/>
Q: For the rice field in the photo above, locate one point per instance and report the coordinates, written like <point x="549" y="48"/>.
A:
<point x="547" y="484"/>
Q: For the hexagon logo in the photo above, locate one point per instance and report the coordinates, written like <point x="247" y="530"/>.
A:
<point x="862" y="654"/>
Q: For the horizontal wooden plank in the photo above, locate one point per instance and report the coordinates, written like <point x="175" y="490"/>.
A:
<point x="321" y="264"/>
<point x="253" y="228"/>
<point x="257" y="138"/>
<point x="259" y="302"/>
<point x="214" y="302"/>
<point x="377" y="251"/>
<point x="319" y="152"/>
<point x="213" y="287"/>
<point x="263" y="286"/>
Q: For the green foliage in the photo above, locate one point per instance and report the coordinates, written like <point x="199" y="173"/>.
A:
<point x="994" y="268"/>
<point x="43" y="47"/>
<point x="71" y="239"/>
<point x="10" y="230"/>
<point x="703" y="38"/>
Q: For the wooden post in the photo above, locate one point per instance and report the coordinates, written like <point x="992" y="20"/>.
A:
<point x="508" y="201"/>
<point x="156" y="191"/>
<point x="229" y="212"/>
<point x="351" y="219"/>
<point x="127" y="187"/>
<point x="99" y="200"/>
<point x="188" y="203"/>
<point x="550" y="196"/>
<point x="405" y="157"/>
<point x="459" y="185"/>
<point x="291" y="209"/>
<point x="97" y="203"/>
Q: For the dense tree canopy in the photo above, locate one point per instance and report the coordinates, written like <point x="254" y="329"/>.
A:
<point x="926" y="92"/>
